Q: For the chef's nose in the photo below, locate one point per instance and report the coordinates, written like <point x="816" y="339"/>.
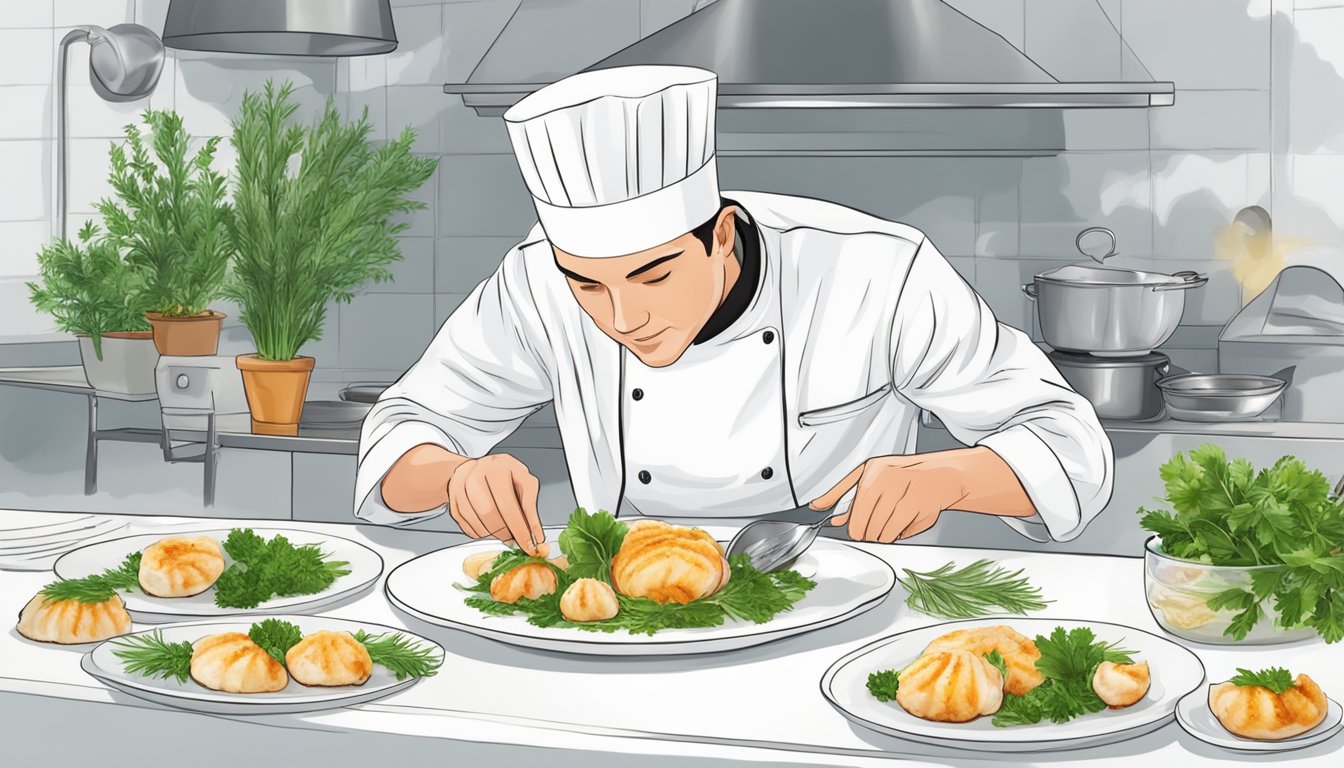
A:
<point x="626" y="315"/>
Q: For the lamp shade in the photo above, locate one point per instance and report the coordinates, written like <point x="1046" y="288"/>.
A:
<point x="281" y="27"/>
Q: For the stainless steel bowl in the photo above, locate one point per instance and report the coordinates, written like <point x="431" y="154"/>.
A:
<point x="1105" y="311"/>
<point x="1122" y="388"/>
<point x="1219" y="396"/>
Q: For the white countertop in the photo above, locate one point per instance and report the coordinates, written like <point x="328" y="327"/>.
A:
<point x="754" y="705"/>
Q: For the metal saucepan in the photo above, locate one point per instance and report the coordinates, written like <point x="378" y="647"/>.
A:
<point x="1121" y="388"/>
<point x="1222" y="396"/>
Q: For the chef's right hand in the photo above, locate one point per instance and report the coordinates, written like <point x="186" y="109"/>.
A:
<point x="496" y="496"/>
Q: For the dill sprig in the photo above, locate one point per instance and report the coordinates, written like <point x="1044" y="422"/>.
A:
<point x="99" y="587"/>
<point x="402" y="656"/>
<point x="152" y="656"/>
<point x="980" y="589"/>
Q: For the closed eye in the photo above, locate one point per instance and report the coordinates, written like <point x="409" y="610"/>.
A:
<point x="658" y="279"/>
<point x="590" y="287"/>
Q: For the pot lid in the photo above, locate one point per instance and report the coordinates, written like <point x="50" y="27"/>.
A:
<point x="1085" y="274"/>
<point x="1079" y="360"/>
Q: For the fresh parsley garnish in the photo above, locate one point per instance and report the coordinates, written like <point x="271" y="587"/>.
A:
<point x="1068" y="660"/>
<point x="995" y="660"/>
<point x="591" y="540"/>
<point x="1276" y="679"/>
<point x="276" y="637"/>
<point x="264" y="569"/>
<point x="979" y="589"/>
<point x="99" y="587"/>
<point x="1228" y="514"/>
<point x="884" y="684"/>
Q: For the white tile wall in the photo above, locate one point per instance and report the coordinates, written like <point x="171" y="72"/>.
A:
<point x="1213" y="120"/>
<point x="1090" y="50"/>
<point x="419" y="107"/>
<point x="24" y="195"/>
<point x="414" y="273"/>
<point x="1062" y="195"/>
<point x="483" y="195"/>
<point x="27" y="57"/>
<point x="16" y="14"/>
<point x="469" y="29"/>
<point x="210" y="87"/>
<point x="1316" y="82"/>
<point x="103" y="13"/>
<point x="461" y="263"/>
<point x="22" y="322"/>
<point x="386" y="331"/>
<point x="419" y="57"/>
<point x="1194" y="197"/>
<point x="28" y="112"/>
<point x="1199" y="43"/>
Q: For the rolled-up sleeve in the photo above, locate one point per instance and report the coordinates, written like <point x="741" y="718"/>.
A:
<point x="992" y="387"/>
<point x="479" y="379"/>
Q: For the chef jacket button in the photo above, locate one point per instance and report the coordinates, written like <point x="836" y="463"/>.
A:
<point x="767" y="473"/>
<point x="768" y="337"/>
<point x="644" y="476"/>
<point x="638" y="394"/>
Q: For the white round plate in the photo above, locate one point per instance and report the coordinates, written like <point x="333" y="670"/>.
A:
<point x="104" y="665"/>
<point x="1175" y="672"/>
<point x="36" y="542"/>
<point x="849" y="582"/>
<point x="19" y="521"/>
<point x="1198" y="720"/>
<point x="365" y="567"/>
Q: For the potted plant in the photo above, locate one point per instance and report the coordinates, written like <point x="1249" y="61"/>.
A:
<point x="94" y="293"/>
<point x="312" y="222"/>
<point x="170" y="217"/>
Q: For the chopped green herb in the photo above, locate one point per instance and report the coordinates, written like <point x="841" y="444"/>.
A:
<point x="884" y="684"/>
<point x="1276" y="679"/>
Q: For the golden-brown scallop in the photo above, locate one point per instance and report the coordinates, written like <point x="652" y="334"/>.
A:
<point x="560" y="562"/>
<point x="668" y="563"/>
<point x="589" y="600"/>
<point x="480" y="562"/>
<point x="329" y="658"/>
<point x="1018" y="651"/>
<point x="180" y="567"/>
<point x="69" y="621"/>
<point x="231" y="662"/>
<point x="950" y="687"/>
<point x="529" y="580"/>
<point x="1255" y="712"/>
<point x="1121" y="685"/>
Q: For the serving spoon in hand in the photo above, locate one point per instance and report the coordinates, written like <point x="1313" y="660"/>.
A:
<point x="773" y="544"/>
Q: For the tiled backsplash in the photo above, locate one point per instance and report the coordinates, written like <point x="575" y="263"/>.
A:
<point x="1255" y="123"/>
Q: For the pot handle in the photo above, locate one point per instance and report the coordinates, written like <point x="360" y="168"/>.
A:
<point x="1170" y="369"/>
<point x="1078" y="243"/>
<point x="1286" y="374"/>
<point x="1030" y="290"/>
<point x="1188" y="280"/>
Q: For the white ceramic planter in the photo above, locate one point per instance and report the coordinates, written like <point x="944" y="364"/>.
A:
<point x="127" y="366"/>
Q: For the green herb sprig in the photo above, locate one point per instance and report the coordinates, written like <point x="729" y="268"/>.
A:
<point x="1276" y="679"/>
<point x="265" y="568"/>
<point x="152" y="656"/>
<point x="591" y="540"/>
<point x="977" y="590"/>
<point x="1228" y="514"/>
<point x="1068" y="661"/>
<point x="400" y="655"/>
<point x="884" y="684"/>
<point x="99" y="587"/>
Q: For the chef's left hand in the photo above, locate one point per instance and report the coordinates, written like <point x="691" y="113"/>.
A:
<point x="897" y="497"/>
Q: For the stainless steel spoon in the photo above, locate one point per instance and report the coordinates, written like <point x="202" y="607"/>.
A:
<point x="774" y="544"/>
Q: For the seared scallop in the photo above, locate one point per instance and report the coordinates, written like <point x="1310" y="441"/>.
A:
<point x="1121" y="685"/>
<point x="329" y="658"/>
<point x="530" y="581"/>
<point x="668" y="563"/>
<point x="950" y="687"/>
<point x="589" y="600"/>
<point x="69" y="621"/>
<point x="1256" y="712"/>
<point x="180" y="567"/>
<point x="231" y="662"/>
<point x="480" y="562"/>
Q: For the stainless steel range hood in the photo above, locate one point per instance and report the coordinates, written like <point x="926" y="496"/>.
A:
<point x="810" y="54"/>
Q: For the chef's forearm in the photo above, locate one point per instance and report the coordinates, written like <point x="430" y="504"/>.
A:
<point x="988" y="484"/>
<point x="418" y="481"/>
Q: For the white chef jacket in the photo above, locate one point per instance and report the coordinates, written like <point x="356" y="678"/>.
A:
<point x="857" y="323"/>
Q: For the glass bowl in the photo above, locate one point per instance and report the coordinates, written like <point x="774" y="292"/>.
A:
<point x="1178" y="592"/>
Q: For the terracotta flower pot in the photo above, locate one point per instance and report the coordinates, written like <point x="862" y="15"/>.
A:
<point x="195" y="335"/>
<point x="127" y="366"/>
<point x="275" y="392"/>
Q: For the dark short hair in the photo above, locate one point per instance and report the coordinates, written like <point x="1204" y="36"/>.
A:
<point x="705" y="232"/>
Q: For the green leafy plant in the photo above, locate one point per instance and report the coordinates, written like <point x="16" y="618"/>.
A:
<point x="749" y="594"/>
<point x="264" y="568"/>
<point x="1227" y="514"/>
<point x="170" y="215"/>
<point x="1068" y="661"/>
<point x="314" y="234"/>
<point x="89" y="288"/>
<point x="1276" y="679"/>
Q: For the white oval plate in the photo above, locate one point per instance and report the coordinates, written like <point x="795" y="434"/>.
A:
<point x="365" y="568"/>
<point x="37" y="544"/>
<point x="1175" y="672"/>
<point x="104" y="665"/>
<point x="1198" y="720"/>
<point x="849" y="582"/>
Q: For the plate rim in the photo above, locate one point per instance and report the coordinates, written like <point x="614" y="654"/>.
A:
<point x="1262" y="746"/>
<point x="148" y="616"/>
<point x="1096" y="739"/>
<point x="128" y="684"/>
<point x="633" y="641"/>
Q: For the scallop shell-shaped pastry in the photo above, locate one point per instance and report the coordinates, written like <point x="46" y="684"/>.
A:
<point x="530" y="580"/>
<point x="1121" y="685"/>
<point x="668" y="563"/>
<point x="329" y="658"/>
<point x="477" y="563"/>
<point x="950" y="687"/>
<point x="1255" y="712"/>
<point x="1018" y="651"/>
<point x="180" y="567"/>
<point x="69" y="621"/>
<point x="589" y="600"/>
<point x="231" y="662"/>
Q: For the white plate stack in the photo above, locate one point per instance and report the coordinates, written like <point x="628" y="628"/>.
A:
<point x="31" y="541"/>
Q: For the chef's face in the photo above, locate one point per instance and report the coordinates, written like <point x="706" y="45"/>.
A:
<point x="655" y="302"/>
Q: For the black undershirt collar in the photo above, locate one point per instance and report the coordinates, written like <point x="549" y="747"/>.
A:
<point x="740" y="295"/>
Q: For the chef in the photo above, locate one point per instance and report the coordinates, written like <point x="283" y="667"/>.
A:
<point x="720" y="354"/>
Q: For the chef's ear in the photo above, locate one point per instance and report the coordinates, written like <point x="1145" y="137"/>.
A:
<point x="725" y="229"/>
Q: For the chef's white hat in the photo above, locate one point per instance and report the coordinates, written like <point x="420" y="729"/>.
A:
<point x="619" y="160"/>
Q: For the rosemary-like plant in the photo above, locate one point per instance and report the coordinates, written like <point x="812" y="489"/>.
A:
<point x="89" y="288"/>
<point x="170" y="215"/>
<point x="313" y="234"/>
